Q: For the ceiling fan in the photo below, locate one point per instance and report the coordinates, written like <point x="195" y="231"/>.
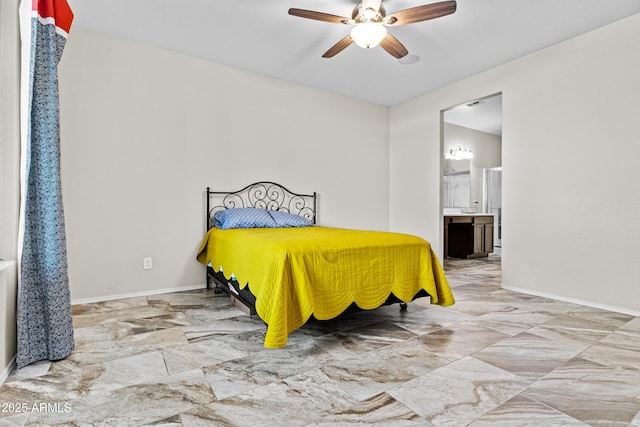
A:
<point x="369" y="20"/>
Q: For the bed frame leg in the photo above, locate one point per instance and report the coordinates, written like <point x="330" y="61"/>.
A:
<point x="403" y="306"/>
<point x="216" y="289"/>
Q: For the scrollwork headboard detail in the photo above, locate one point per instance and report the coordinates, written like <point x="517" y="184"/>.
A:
<point x="264" y="195"/>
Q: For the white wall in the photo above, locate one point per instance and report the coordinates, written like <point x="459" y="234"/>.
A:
<point x="9" y="185"/>
<point x="570" y="154"/>
<point x="145" y="130"/>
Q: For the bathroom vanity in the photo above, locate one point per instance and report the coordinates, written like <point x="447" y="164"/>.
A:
<point x="468" y="235"/>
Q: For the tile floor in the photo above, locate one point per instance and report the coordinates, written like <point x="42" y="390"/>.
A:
<point x="495" y="358"/>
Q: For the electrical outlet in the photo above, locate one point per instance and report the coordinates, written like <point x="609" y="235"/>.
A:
<point x="147" y="263"/>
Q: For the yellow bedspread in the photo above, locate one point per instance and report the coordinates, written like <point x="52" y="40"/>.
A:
<point x="296" y="272"/>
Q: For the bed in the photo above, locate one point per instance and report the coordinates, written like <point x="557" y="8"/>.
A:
<point x="264" y="248"/>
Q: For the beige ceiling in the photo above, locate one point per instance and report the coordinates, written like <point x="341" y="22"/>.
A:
<point x="259" y="36"/>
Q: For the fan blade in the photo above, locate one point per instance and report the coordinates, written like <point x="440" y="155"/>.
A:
<point x="421" y="13"/>
<point x="393" y="46"/>
<point x="319" y="16"/>
<point x="338" y="47"/>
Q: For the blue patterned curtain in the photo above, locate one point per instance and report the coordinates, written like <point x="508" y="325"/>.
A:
<point x="45" y="329"/>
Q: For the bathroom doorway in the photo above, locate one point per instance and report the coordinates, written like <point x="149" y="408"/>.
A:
<point x="472" y="148"/>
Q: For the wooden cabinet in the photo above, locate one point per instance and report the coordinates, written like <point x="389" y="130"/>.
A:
<point x="468" y="236"/>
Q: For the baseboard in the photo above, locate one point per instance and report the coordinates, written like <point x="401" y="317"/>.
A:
<point x="7" y="371"/>
<point x="136" y="294"/>
<point x="573" y="301"/>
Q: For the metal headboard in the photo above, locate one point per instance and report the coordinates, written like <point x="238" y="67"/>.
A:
<point x="265" y="195"/>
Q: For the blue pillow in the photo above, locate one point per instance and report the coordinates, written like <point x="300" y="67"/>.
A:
<point x="285" y="219"/>
<point x="243" y="218"/>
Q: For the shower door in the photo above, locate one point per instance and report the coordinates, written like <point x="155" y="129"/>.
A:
<point x="492" y="191"/>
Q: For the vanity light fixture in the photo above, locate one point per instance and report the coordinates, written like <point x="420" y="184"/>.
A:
<point x="459" y="153"/>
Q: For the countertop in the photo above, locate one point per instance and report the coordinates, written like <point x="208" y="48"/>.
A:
<point x="469" y="214"/>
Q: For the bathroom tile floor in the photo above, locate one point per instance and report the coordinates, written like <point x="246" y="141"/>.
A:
<point x="495" y="358"/>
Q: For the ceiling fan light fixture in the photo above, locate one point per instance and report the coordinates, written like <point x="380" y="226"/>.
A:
<point x="368" y="34"/>
<point x="369" y="14"/>
<point x="369" y="19"/>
